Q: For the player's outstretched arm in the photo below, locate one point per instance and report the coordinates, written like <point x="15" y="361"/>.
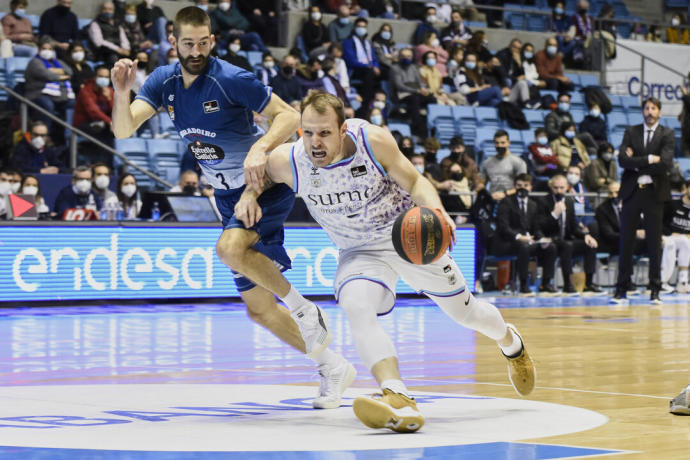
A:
<point x="127" y="118"/>
<point x="277" y="171"/>
<point x="386" y="151"/>
<point x="284" y="122"/>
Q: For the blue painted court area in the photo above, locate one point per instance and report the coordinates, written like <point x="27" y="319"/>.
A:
<point x="486" y="451"/>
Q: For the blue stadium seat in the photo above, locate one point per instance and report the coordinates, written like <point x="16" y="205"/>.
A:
<point x="254" y="58"/>
<point x="617" y="122"/>
<point x="574" y="77"/>
<point x="487" y="117"/>
<point x="536" y="23"/>
<point x="672" y="123"/>
<point x="465" y="122"/>
<point x="485" y="141"/>
<point x="402" y="128"/>
<point x="440" y="122"/>
<point x="15" y="68"/>
<point x="635" y="118"/>
<point x="83" y="22"/>
<point x="588" y="80"/>
<point x="577" y="101"/>
<point x="34" y="19"/>
<point x="546" y="92"/>
<point x="618" y="106"/>
<point x="167" y="126"/>
<point x="578" y="115"/>
<point x="164" y="156"/>
<point x="534" y="117"/>
<point x="441" y="154"/>
<point x="631" y="103"/>
<point x="136" y="150"/>
<point x="527" y="137"/>
<point x="3" y="80"/>
<point x="615" y="139"/>
<point x="684" y="165"/>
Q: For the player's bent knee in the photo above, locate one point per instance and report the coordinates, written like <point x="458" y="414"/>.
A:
<point x="233" y="244"/>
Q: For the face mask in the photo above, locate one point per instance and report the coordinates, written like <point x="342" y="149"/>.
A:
<point x="4" y="188"/>
<point x="451" y="64"/>
<point x="595" y="113"/>
<point x="559" y="10"/>
<point x="570" y="134"/>
<point x="457" y="176"/>
<point x="380" y="105"/>
<point x="48" y="55"/>
<point x="376" y="119"/>
<point x="386" y="35"/>
<point x="78" y="56"/>
<point x="203" y="7"/>
<point x="173" y="60"/>
<point x="431" y="62"/>
<point x="390" y="8"/>
<point x="563" y="106"/>
<point x="485" y="43"/>
<point x="82" y="187"/>
<point x="573" y="179"/>
<point x="107" y="16"/>
<point x="38" y="142"/>
<point x="500" y="151"/>
<point x="316" y="16"/>
<point x="130" y="18"/>
<point x="14" y="187"/>
<point x="543" y="140"/>
<point x="142" y="65"/>
<point x="419" y="168"/>
<point x="457" y="24"/>
<point x="234" y="47"/>
<point x="469" y="65"/>
<point x="558" y="196"/>
<point x="30" y="190"/>
<point x="189" y="190"/>
<point x="552" y="50"/>
<point x="435" y="43"/>
<point x="582" y="11"/>
<point x="608" y="156"/>
<point x="224" y="6"/>
<point x="102" y="182"/>
<point x="128" y="190"/>
<point x="269" y="64"/>
<point x="149" y="2"/>
<point x="361" y="31"/>
<point x="344" y="21"/>
<point x="103" y="82"/>
<point x="675" y="21"/>
<point x="405" y="62"/>
<point x="288" y="70"/>
<point x="529" y="55"/>
<point x="20" y="13"/>
<point x="522" y="192"/>
<point x="431" y="18"/>
<point x="430" y="157"/>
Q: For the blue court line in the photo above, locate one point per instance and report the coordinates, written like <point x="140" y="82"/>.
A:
<point x="484" y="451"/>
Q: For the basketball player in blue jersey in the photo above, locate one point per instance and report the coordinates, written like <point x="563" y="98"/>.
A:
<point x="355" y="182"/>
<point x="211" y="103"/>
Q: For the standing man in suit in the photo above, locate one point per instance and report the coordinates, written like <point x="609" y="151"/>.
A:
<point x="646" y="158"/>
<point x="560" y="224"/>
<point x="518" y="232"/>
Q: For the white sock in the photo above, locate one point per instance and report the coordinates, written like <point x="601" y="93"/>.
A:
<point x="683" y="276"/>
<point x="327" y="357"/>
<point x="515" y="347"/>
<point x="395" y="385"/>
<point x="293" y="299"/>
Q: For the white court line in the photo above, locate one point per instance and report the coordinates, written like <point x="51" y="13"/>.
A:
<point x="590" y="328"/>
<point x="541" y="388"/>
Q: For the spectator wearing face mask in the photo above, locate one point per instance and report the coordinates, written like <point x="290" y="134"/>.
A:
<point x="284" y="84"/>
<point x="417" y="160"/>
<point x="153" y="22"/>
<point x="60" y="25"/>
<point x="577" y="190"/>
<point x="559" y="115"/>
<point x="232" y="56"/>
<point x="541" y="158"/>
<point x="503" y="168"/>
<point x="81" y="70"/>
<point x="602" y="171"/>
<point x="227" y="21"/>
<point x="457" y="33"/>
<point x="459" y="198"/>
<point x="470" y="82"/>
<point x="17" y="28"/>
<point x="8" y="184"/>
<point x="31" y="187"/>
<point x="127" y="196"/>
<point x="550" y="67"/>
<point x="93" y="112"/>
<point x="314" y="33"/>
<point x="406" y="146"/>
<point x="594" y="124"/>
<point x="462" y="155"/>
<point x="385" y="50"/>
<point x="560" y="25"/>
<point x="359" y="55"/>
<point x="268" y="69"/>
<point x="376" y="118"/>
<point x="426" y="26"/>
<point x="309" y="75"/>
<point x="35" y="153"/>
<point x="341" y="27"/>
<point x="569" y="149"/>
<point x="330" y="83"/>
<point x="675" y="34"/>
<point x="433" y="79"/>
<point x="108" y="36"/>
<point x="79" y="194"/>
<point x="135" y="34"/>
<point x="101" y="183"/>
<point x="188" y="184"/>
<point x="430" y="42"/>
<point x="408" y="88"/>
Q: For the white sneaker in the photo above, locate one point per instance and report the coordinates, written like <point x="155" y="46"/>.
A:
<point x="666" y="288"/>
<point x="389" y="410"/>
<point x="682" y="288"/>
<point x="680" y="405"/>
<point x="334" y="382"/>
<point x="313" y="325"/>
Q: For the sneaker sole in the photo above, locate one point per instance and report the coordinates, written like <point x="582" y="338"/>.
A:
<point x="680" y="410"/>
<point x="349" y="378"/>
<point x="526" y="391"/>
<point x="326" y="341"/>
<point x="376" y="414"/>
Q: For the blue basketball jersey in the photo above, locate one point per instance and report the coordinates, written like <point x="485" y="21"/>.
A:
<point x="213" y="116"/>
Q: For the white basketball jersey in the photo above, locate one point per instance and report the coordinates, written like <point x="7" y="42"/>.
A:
<point x="354" y="200"/>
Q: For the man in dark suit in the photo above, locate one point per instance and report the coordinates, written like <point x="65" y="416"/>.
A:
<point x="518" y="232"/>
<point x="560" y="224"/>
<point x="646" y="156"/>
<point x="608" y="218"/>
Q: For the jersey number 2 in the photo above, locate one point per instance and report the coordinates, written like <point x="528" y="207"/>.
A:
<point x="221" y="178"/>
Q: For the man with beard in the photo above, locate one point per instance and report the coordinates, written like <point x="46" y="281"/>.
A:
<point x="211" y="104"/>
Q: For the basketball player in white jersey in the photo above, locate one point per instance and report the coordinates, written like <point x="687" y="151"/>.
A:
<point x="355" y="182"/>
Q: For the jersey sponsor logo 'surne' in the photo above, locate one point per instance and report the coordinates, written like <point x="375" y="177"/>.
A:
<point x="335" y="198"/>
<point x="206" y="153"/>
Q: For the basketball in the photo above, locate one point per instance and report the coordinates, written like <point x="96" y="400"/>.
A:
<point x="421" y="235"/>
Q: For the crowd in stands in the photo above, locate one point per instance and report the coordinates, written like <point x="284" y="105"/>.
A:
<point x="380" y="77"/>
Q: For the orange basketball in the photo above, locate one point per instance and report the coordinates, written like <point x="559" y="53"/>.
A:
<point x="421" y="235"/>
